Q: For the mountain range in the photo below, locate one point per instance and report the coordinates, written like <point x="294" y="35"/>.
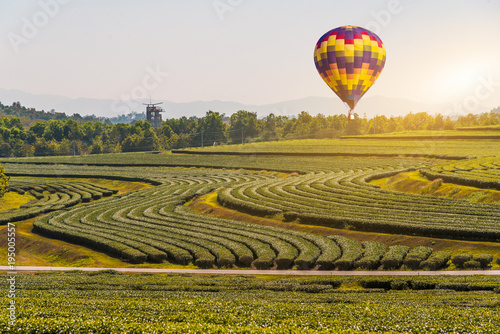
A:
<point x="369" y="106"/>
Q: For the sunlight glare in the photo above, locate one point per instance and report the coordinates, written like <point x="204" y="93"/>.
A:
<point x="456" y="80"/>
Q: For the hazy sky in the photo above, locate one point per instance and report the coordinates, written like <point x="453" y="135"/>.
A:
<point x="249" y="51"/>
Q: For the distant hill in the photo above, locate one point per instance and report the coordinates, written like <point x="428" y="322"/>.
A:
<point x="30" y="116"/>
<point x="369" y="106"/>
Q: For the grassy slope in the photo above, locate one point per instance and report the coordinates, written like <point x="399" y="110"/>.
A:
<point x="439" y="145"/>
<point x="12" y="200"/>
<point x="416" y="183"/>
<point x="440" y="134"/>
<point x="272" y="163"/>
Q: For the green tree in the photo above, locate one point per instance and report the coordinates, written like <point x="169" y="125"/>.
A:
<point x="448" y="124"/>
<point x="43" y="147"/>
<point x="5" y="149"/>
<point x="167" y="136"/>
<point x="355" y="126"/>
<point x="468" y="120"/>
<point x="54" y="131"/>
<point x="270" y="127"/>
<point x="143" y="138"/>
<point x="438" y="122"/>
<point x="73" y="132"/>
<point x="209" y="130"/>
<point x="243" y="125"/>
<point x="38" y="128"/>
<point x="4" y="182"/>
<point x="302" y="127"/>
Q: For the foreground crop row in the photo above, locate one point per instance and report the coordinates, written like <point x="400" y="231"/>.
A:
<point x="106" y="302"/>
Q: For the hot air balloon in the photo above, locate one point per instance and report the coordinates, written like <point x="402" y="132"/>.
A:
<point x="349" y="59"/>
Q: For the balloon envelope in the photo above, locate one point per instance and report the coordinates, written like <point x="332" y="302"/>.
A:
<point x="349" y="59"/>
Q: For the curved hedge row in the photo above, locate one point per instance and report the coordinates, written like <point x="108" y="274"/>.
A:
<point x="50" y="195"/>
<point x="346" y="200"/>
<point x="480" y="173"/>
<point x="152" y="223"/>
<point x="373" y="253"/>
<point x="351" y="252"/>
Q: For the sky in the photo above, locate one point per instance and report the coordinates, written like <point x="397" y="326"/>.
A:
<point x="248" y="51"/>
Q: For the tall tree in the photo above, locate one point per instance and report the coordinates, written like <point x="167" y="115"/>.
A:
<point x="210" y="130"/>
<point x="4" y="182"/>
<point x="244" y="124"/>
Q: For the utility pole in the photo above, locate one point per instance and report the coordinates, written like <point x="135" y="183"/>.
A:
<point x="242" y="133"/>
<point x="202" y="139"/>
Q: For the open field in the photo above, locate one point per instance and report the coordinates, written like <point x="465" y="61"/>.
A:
<point x="414" y="144"/>
<point x="437" y="146"/>
<point x="132" y="303"/>
<point x="417" y="183"/>
<point x="461" y="133"/>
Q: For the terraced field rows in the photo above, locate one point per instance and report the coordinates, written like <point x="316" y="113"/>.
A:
<point x="481" y="172"/>
<point x="50" y="195"/>
<point x="346" y="199"/>
<point x="150" y="226"/>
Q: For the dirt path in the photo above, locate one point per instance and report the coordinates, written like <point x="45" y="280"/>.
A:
<point x="259" y="272"/>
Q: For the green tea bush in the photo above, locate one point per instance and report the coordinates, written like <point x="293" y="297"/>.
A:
<point x="4" y="182"/>
<point x="472" y="264"/>
<point x="460" y="259"/>
<point x="262" y="264"/>
<point x="313" y="288"/>
<point x="484" y="259"/>
<point x="453" y="286"/>
<point x="376" y="283"/>
<point x="393" y="259"/>
<point x="422" y="285"/>
<point x="399" y="285"/>
<point x="436" y="261"/>
<point x="351" y="251"/>
<point x="290" y="216"/>
<point x="416" y="255"/>
<point x="374" y="251"/>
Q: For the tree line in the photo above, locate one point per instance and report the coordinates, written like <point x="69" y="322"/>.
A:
<point x="70" y="136"/>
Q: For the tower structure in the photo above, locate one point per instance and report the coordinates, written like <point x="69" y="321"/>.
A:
<point x="153" y="115"/>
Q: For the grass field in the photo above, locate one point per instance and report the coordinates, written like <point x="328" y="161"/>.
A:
<point x="413" y="145"/>
<point x="13" y="200"/>
<point x="415" y="182"/>
<point x="437" y="146"/>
